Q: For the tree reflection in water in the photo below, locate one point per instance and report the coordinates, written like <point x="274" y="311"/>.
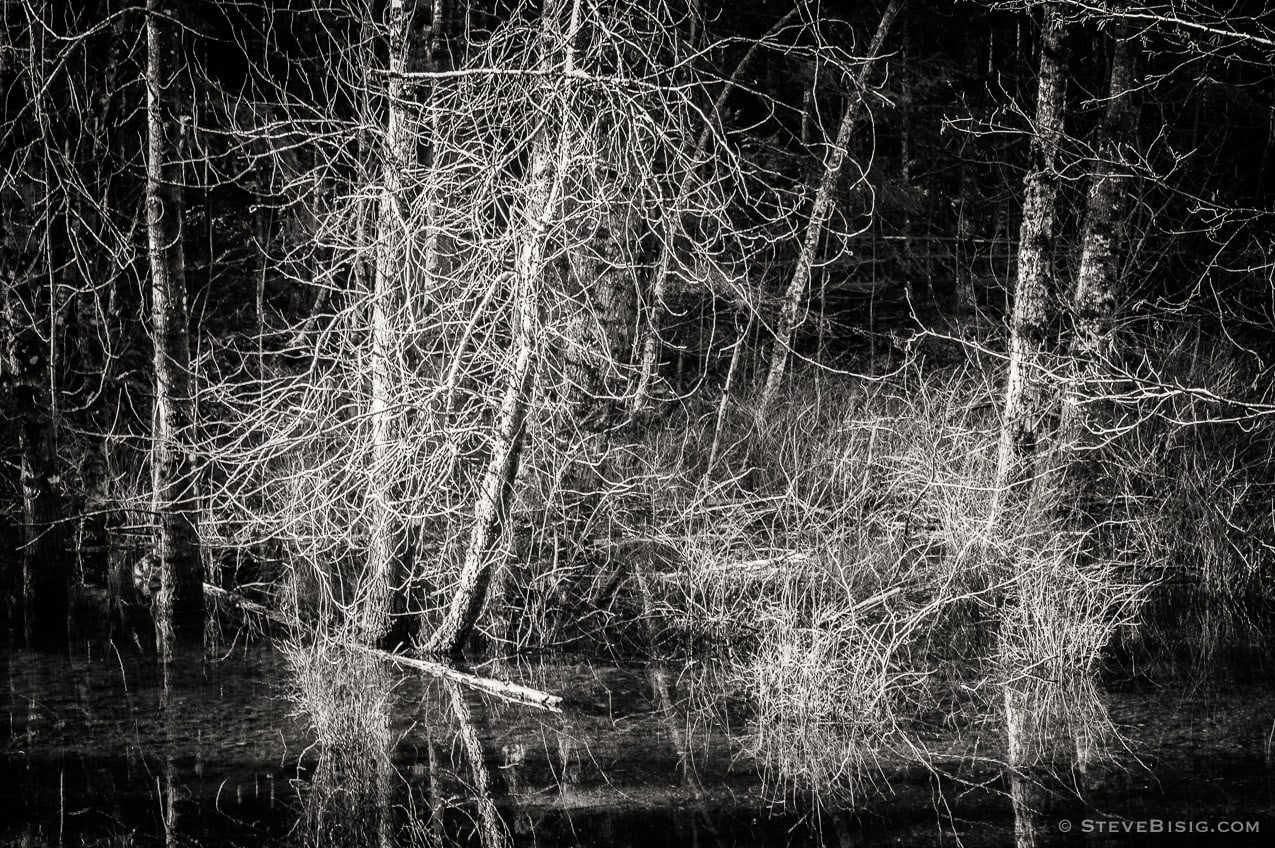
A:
<point x="344" y="697"/>
<point x="356" y="795"/>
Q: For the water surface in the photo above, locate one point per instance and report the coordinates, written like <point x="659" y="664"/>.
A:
<point x="97" y="751"/>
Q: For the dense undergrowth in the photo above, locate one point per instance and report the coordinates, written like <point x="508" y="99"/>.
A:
<point x="841" y="565"/>
<point x="836" y="567"/>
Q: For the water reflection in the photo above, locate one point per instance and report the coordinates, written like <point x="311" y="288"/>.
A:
<point x="336" y="749"/>
<point x="344" y="699"/>
<point x="491" y="829"/>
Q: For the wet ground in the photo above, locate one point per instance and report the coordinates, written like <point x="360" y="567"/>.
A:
<point x="96" y="750"/>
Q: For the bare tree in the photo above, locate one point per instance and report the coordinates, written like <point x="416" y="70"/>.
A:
<point x="820" y="211"/>
<point x="386" y="572"/>
<point x="1096" y="290"/>
<point x="663" y="270"/>
<point x="180" y="602"/>
<point x="29" y="348"/>
<point x="547" y="171"/>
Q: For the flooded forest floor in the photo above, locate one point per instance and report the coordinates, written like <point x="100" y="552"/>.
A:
<point x="103" y="748"/>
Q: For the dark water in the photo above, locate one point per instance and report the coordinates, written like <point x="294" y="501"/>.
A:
<point x="96" y="751"/>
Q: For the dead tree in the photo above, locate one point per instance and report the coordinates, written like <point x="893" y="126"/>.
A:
<point x="386" y="574"/>
<point x="546" y="171"/>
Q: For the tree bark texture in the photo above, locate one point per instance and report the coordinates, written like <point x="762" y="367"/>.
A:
<point x="820" y="212"/>
<point x="179" y="605"/>
<point x="549" y="160"/>
<point x="1026" y="390"/>
<point x="1093" y="345"/>
<point x="387" y="573"/>
<point x="1093" y="301"/>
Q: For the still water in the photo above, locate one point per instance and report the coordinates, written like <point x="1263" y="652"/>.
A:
<point x="98" y="751"/>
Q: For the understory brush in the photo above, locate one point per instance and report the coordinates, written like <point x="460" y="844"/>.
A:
<point x="343" y="697"/>
<point x="1190" y="472"/>
<point x="842" y="562"/>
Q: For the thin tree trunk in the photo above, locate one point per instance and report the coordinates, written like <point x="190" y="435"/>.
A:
<point x="819" y="214"/>
<point x="548" y="163"/>
<point x="180" y="603"/>
<point x="965" y="299"/>
<point x="28" y="368"/>
<point x="964" y="296"/>
<point x="45" y="578"/>
<point x="1026" y="391"/>
<point x="650" y="359"/>
<point x="909" y="266"/>
<point x="385" y="611"/>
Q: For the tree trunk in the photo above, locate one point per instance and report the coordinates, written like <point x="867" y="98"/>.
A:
<point x="909" y="266"/>
<point x="965" y="298"/>
<point x="1026" y="391"/>
<point x="28" y="364"/>
<point x="180" y="603"/>
<point x="1093" y="346"/>
<point x="387" y="572"/>
<point x="546" y="170"/>
<point x="45" y="572"/>
<point x="650" y="358"/>
<point x="819" y="214"/>
<point x="964" y="295"/>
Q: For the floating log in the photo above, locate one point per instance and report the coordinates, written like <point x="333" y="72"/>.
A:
<point x="503" y="689"/>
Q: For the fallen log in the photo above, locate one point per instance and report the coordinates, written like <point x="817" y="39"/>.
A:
<point x="503" y="689"/>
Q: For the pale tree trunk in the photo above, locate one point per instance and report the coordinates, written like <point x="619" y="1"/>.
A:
<point x="650" y="344"/>
<point x="386" y="575"/>
<point x="180" y="603"/>
<point x="1026" y="390"/>
<point x="549" y="159"/>
<point x="819" y="214"/>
